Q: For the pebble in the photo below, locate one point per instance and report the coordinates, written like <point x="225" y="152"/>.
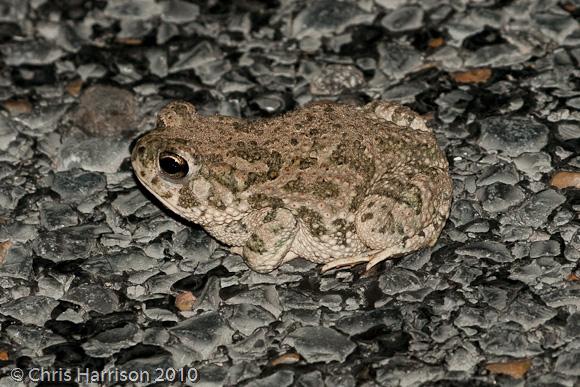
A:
<point x="97" y="154"/>
<point x="57" y="215"/>
<point x="498" y="197"/>
<point x="362" y="321"/>
<point x="512" y="136"/>
<point x="569" y="130"/>
<point x="534" y="165"/>
<point x="133" y="9"/>
<point x="404" y="19"/>
<point x="93" y="297"/>
<point x="544" y="249"/>
<point x="246" y="318"/>
<point x="336" y="79"/>
<point x="534" y="211"/>
<point x="320" y="344"/>
<point x="184" y="301"/>
<point x="18" y="106"/>
<point x="397" y="60"/>
<point x="565" y="179"/>
<point x="203" y="333"/>
<point x="34" y="310"/>
<point x="34" y="52"/>
<point x="400" y="280"/>
<point x="327" y="17"/>
<point x="179" y="12"/>
<point x="569" y="363"/>
<point x="494" y="251"/>
<point x="106" y="111"/>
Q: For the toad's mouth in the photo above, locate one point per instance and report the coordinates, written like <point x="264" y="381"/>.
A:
<point x="168" y="198"/>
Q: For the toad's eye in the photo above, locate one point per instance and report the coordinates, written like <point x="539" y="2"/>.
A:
<point x="173" y="165"/>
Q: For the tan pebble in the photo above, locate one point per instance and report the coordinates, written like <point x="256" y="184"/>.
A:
<point x="185" y="301"/>
<point x="564" y="179"/>
<point x="74" y="87"/>
<point x="515" y="368"/>
<point x="4" y="247"/>
<point x="287" y="358"/>
<point x="436" y="42"/>
<point x="569" y="7"/>
<point x="17" y="106"/>
<point x="572" y="277"/>
<point x="472" y="76"/>
<point x="130" y="41"/>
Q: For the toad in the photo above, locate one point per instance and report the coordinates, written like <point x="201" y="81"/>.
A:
<point x="333" y="183"/>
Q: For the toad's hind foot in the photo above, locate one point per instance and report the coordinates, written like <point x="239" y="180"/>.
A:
<point x="372" y="259"/>
<point x="342" y="262"/>
<point x="381" y="256"/>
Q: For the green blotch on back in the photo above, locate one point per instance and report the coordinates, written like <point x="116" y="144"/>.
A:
<point x="260" y="200"/>
<point x="256" y="244"/>
<point x="187" y="198"/>
<point x="313" y="221"/>
<point x="322" y="189"/>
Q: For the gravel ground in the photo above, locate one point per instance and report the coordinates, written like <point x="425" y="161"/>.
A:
<point x="94" y="274"/>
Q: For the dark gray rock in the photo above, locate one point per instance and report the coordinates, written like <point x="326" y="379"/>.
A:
<point x="463" y="212"/>
<point x="283" y="378"/>
<point x="494" y="251"/>
<point x="534" y="211"/>
<point x="534" y="165"/>
<point x="361" y="321"/>
<point x="34" y="52"/>
<point x="177" y="11"/>
<point x="110" y="341"/>
<point x="310" y="379"/>
<point x="506" y="340"/>
<point x="327" y="17"/>
<point x="528" y="313"/>
<point x="98" y="154"/>
<point x="512" y="136"/>
<point x="133" y="9"/>
<point x="247" y="318"/>
<point x="57" y="215"/>
<point x="557" y="26"/>
<point x="30" y="310"/>
<point x="498" y="197"/>
<point x="404" y="19"/>
<point x="93" y="297"/>
<point x="75" y="184"/>
<point x="569" y="363"/>
<point x="399" y="371"/>
<point x="320" y="344"/>
<point x="265" y="296"/>
<point x="32" y="339"/>
<point x="68" y="244"/>
<point x="17" y="263"/>
<point x="397" y="60"/>
<point x="400" y="280"/>
<point x="502" y="173"/>
<point x="203" y="333"/>
<point x="544" y="249"/>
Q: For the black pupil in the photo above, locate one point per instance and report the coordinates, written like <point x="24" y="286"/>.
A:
<point x="173" y="165"/>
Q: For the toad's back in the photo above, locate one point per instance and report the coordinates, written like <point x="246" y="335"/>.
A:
<point x="323" y="156"/>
